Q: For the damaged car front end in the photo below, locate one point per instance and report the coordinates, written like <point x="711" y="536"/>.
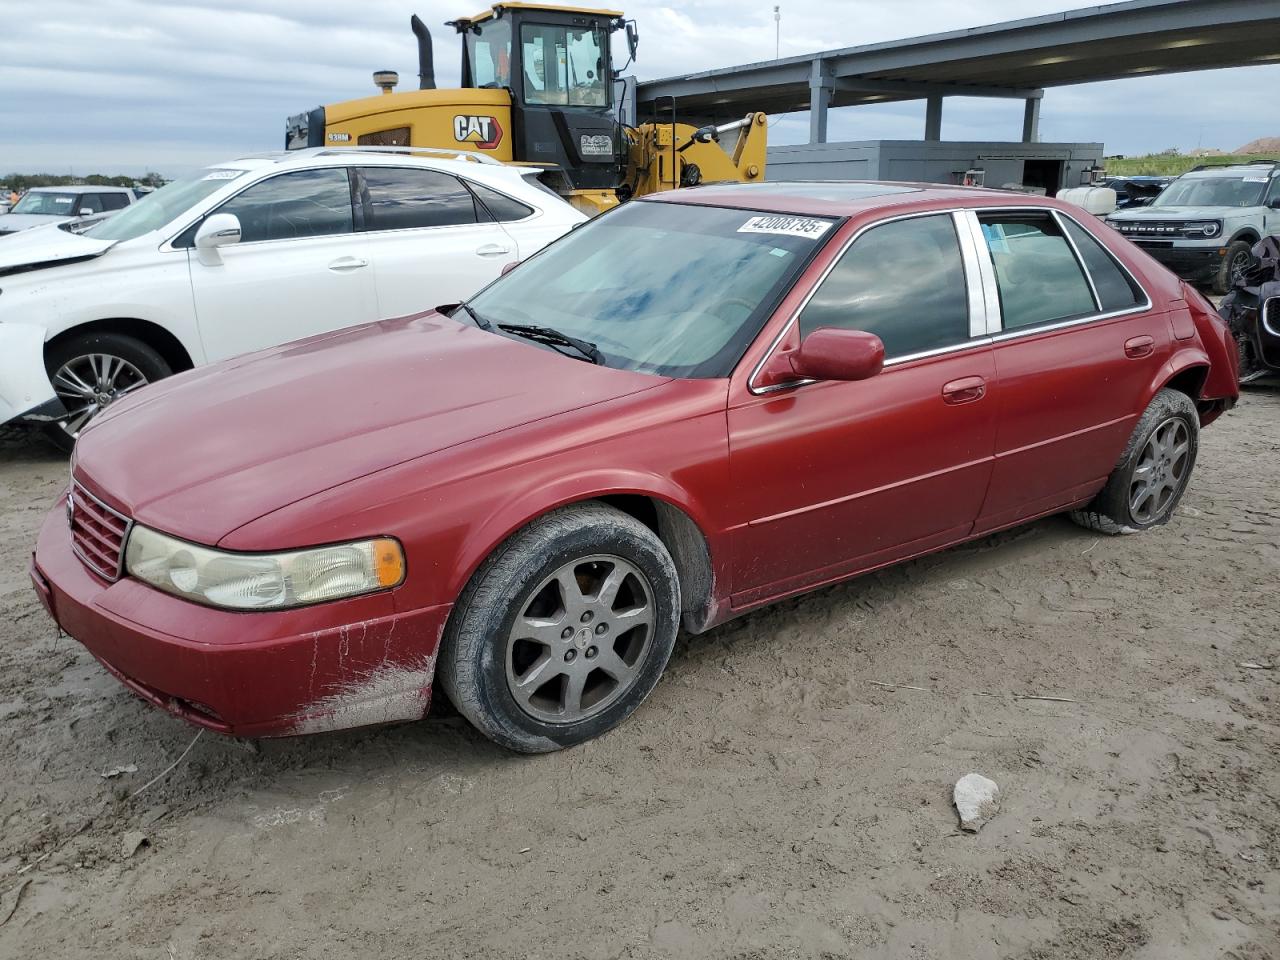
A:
<point x="1252" y="311"/>
<point x="25" y="390"/>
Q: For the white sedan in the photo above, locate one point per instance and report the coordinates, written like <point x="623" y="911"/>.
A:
<point x="249" y="254"/>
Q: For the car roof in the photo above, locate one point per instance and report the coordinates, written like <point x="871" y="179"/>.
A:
<point x="76" y="188"/>
<point x="841" y="198"/>
<point x="1261" y="168"/>
<point x="462" y="163"/>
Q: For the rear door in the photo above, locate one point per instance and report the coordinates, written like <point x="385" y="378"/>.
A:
<point x="297" y="270"/>
<point x="429" y="241"/>
<point x="833" y="477"/>
<point x="1077" y="347"/>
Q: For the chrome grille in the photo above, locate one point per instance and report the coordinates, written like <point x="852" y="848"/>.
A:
<point x="98" y="533"/>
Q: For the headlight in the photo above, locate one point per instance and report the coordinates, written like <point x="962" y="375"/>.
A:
<point x="1202" y="228"/>
<point x="258" y="581"/>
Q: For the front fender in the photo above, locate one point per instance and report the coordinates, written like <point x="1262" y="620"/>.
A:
<point x="25" y="390"/>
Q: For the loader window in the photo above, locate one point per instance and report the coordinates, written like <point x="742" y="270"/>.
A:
<point x="564" y="65"/>
<point x="489" y="53"/>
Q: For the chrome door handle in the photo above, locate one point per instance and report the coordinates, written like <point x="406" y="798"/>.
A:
<point x="348" y="263"/>
<point x="964" y="390"/>
<point x="492" y="250"/>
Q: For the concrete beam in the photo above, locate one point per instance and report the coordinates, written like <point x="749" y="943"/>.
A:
<point x="924" y="89"/>
<point x="1031" y="120"/>
<point x="933" y="118"/>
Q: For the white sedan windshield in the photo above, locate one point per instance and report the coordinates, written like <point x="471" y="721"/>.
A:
<point x="163" y="206"/>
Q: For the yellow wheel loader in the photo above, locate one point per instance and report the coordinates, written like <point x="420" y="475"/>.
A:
<point x="539" y="88"/>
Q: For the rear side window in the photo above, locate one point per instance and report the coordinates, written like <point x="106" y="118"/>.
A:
<point x="1115" y="289"/>
<point x="1038" y="276"/>
<point x="397" y="198"/>
<point x="305" y="203"/>
<point x="902" y="281"/>
<point x="501" y="207"/>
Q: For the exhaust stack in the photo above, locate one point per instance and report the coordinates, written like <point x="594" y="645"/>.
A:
<point x="426" y="57"/>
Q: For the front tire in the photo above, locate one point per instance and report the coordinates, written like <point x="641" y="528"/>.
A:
<point x="1148" y="482"/>
<point x="92" y="371"/>
<point x="563" y="631"/>
<point x="1239" y="256"/>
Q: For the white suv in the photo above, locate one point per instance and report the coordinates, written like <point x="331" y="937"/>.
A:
<point x="44" y="205"/>
<point x="250" y="254"/>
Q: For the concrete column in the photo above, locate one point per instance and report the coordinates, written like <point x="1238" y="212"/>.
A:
<point x="933" y="118"/>
<point x="821" y="87"/>
<point x="1031" y="121"/>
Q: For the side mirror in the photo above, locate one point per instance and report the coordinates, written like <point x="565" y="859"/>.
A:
<point x="507" y="268"/>
<point x="1274" y="203"/>
<point x="218" y="230"/>
<point x="833" y="354"/>
<point x="633" y="38"/>
<point x="86" y="212"/>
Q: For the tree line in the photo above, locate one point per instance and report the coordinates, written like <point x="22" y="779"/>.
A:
<point x="25" y="181"/>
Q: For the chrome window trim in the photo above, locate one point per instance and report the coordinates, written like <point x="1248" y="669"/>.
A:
<point x="986" y="268"/>
<point x="844" y="248"/>
<point x="979" y="316"/>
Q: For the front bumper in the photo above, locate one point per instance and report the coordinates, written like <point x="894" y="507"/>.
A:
<point x="348" y="663"/>
<point x="1197" y="264"/>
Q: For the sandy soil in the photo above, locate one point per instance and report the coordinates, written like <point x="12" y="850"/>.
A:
<point x="769" y="800"/>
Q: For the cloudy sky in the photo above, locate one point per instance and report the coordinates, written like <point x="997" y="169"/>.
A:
<point x="132" y="85"/>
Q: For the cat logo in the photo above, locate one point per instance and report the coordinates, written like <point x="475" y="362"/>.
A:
<point x="484" y="132"/>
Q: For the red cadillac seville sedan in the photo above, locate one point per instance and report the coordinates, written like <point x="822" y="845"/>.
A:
<point x="691" y="406"/>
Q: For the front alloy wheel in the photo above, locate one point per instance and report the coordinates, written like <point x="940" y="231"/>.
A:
<point x="580" y="641"/>
<point x="563" y="631"/>
<point x="91" y="382"/>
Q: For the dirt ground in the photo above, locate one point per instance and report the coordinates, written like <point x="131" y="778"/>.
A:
<point x="773" y="798"/>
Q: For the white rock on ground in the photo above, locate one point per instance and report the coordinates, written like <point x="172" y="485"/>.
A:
<point x="977" y="800"/>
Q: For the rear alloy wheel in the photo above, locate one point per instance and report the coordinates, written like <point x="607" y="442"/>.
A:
<point x="1146" y="485"/>
<point x="563" y="631"/>
<point x="90" y="373"/>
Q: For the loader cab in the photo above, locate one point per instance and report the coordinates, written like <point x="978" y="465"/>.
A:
<point x="556" y="63"/>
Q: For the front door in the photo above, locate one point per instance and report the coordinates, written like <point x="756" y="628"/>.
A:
<point x="298" y="269"/>
<point x="835" y="477"/>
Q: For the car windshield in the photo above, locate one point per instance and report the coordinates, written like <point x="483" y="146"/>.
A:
<point x="667" y="288"/>
<point x="1244" y="190"/>
<point x="162" y="206"/>
<point x="55" y="204"/>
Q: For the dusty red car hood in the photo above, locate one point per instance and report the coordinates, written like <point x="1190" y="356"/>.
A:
<point x="208" y="451"/>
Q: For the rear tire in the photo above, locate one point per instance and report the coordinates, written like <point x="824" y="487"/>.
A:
<point x="1148" y="482"/>
<point x="92" y="371"/>
<point x="1239" y="255"/>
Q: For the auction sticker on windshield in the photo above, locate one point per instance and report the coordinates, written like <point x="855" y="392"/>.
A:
<point x="810" y="227"/>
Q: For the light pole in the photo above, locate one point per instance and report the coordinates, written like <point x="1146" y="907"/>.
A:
<point x="777" y="32"/>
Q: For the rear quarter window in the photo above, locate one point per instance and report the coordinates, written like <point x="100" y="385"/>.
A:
<point x="1115" y="290"/>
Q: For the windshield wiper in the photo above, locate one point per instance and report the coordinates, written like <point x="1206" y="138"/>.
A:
<point x="553" y="338"/>
<point x="482" y="322"/>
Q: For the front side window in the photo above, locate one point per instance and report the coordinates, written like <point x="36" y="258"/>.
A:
<point x="1244" y="190"/>
<point x="305" y="203"/>
<point x="489" y="52"/>
<point x="91" y="202"/>
<point x="1037" y="275"/>
<point x="903" y="281"/>
<point x="401" y="198"/>
<point x="114" y="201"/>
<point x="564" y="65"/>
<point x="58" y="204"/>
<point x="634" y="282"/>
